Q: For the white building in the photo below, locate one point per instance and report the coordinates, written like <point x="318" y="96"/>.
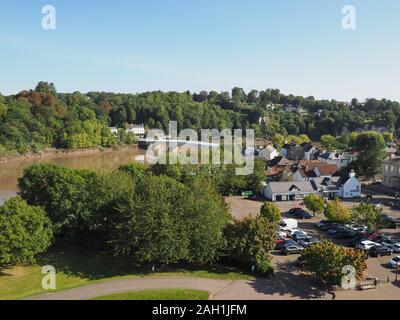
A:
<point x="350" y="187"/>
<point x="137" y="130"/>
<point x="328" y="187"/>
<point x="268" y="153"/>
<point x="342" y="160"/>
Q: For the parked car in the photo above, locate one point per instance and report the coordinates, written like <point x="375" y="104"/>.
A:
<point x="393" y="223"/>
<point x="395" y="262"/>
<point x="288" y="224"/>
<point x="366" y="245"/>
<point x="308" y="242"/>
<point x="321" y="223"/>
<point x="294" y="210"/>
<point x="292" y="249"/>
<point x="294" y="231"/>
<point x="280" y="245"/>
<point x="379" y="250"/>
<point x="327" y="226"/>
<point x="299" y="236"/>
<point x="304" y="215"/>
<point x="394" y="247"/>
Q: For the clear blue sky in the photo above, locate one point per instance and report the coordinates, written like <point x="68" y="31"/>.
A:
<point x="297" y="46"/>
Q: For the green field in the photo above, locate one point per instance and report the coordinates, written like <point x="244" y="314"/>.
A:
<point x="79" y="267"/>
<point x="167" y="294"/>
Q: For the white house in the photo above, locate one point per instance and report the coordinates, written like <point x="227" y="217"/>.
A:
<point x="328" y="187"/>
<point x="342" y="160"/>
<point x="137" y="130"/>
<point x="269" y="153"/>
<point x="350" y="187"/>
<point x="288" y="191"/>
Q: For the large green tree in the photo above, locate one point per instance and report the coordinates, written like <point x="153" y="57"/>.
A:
<point x="371" y="148"/>
<point x="25" y="231"/>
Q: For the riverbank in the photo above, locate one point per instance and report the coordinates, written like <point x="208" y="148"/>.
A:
<point x="51" y="152"/>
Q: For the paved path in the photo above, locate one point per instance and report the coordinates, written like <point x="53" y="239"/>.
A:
<point x="283" y="286"/>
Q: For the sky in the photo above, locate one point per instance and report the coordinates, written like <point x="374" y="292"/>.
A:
<point x="130" y="46"/>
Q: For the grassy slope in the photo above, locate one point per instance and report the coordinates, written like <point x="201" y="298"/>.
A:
<point x="168" y="294"/>
<point x="79" y="267"/>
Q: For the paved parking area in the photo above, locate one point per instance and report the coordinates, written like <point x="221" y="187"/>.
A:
<point x="377" y="267"/>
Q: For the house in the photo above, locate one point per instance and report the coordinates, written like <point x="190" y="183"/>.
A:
<point x="137" y="130"/>
<point x="294" y="151"/>
<point x="308" y="170"/>
<point x="391" y="173"/>
<point x="268" y="153"/>
<point x="345" y="187"/>
<point x="288" y="191"/>
<point x="309" y="150"/>
<point x="342" y="160"/>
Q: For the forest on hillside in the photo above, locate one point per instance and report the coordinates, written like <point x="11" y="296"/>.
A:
<point x="34" y="120"/>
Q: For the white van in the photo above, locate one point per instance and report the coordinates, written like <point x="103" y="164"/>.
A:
<point x="288" y="224"/>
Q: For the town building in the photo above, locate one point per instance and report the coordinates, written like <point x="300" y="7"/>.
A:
<point x="137" y="130"/>
<point x="391" y="173"/>
<point x="345" y="187"/>
<point x="341" y="159"/>
<point x="293" y="151"/>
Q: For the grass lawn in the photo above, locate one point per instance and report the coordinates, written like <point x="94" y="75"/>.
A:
<point x="166" y="294"/>
<point x="77" y="267"/>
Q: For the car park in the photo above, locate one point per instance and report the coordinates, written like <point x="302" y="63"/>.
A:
<point x="379" y="251"/>
<point x="292" y="249"/>
<point x="395" y="262"/>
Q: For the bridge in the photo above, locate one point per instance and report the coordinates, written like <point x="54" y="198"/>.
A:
<point x="144" y="143"/>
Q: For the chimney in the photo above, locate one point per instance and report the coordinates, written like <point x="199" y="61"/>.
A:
<point x="352" y="174"/>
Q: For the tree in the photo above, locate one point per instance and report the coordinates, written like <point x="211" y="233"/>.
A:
<point x="278" y="141"/>
<point x="136" y="170"/>
<point x="255" y="179"/>
<point x="368" y="215"/>
<point x="63" y="193"/>
<point x="337" y="213"/>
<point x="251" y="241"/>
<point x="25" y="231"/>
<point x="329" y="142"/>
<point x="165" y="221"/>
<point x="326" y="260"/>
<point x="315" y="203"/>
<point x="371" y="148"/>
<point x="271" y="212"/>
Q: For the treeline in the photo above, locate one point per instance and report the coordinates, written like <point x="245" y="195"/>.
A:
<point x="135" y="214"/>
<point x="40" y="118"/>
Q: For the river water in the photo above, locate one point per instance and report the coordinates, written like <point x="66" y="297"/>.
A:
<point x="100" y="161"/>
